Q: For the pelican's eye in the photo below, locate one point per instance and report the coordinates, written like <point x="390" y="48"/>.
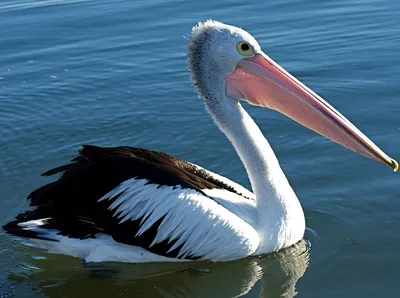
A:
<point x="244" y="48"/>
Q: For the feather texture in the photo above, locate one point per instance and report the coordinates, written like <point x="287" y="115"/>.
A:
<point x="140" y="198"/>
<point x="198" y="225"/>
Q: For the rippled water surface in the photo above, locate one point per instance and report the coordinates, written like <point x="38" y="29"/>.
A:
<point x="114" y="73"/>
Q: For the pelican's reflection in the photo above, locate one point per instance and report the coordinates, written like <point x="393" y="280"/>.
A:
<point x="276" y="273"/>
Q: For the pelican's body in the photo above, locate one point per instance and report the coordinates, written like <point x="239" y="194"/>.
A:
<point x="135" y="205"/>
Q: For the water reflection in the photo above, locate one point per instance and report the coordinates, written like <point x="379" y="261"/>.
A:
<point x="60" y="276"/>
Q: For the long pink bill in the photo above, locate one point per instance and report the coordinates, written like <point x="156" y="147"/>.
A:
<point x="262" y="82"/>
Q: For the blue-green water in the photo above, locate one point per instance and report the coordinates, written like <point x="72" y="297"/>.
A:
<point x="114" y="73"/>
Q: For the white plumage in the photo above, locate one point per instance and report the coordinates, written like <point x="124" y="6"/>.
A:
<point x="205" y="228"/>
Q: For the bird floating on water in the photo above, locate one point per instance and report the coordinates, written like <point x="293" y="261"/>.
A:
<point x="136" y="205"/>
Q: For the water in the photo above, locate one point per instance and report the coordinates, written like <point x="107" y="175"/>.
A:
<point x="114" y="73"/>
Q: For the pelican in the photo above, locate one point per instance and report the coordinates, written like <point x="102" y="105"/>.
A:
<point x="135" y="205"/>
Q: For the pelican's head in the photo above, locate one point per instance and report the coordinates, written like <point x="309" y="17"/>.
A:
<point x="214" y="51"/>
<point x="227" y="63"/>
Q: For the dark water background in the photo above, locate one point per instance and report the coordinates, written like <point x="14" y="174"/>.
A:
<point x="114" y="73"/>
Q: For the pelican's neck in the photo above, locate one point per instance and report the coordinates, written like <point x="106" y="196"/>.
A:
<point x="266" y="176"/>
<point x="278" y="208"/>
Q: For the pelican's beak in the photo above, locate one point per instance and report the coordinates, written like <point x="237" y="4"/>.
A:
<point x="262" y="82"/>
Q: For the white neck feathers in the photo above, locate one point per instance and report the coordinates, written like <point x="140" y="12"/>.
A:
<point x="280" y="215"/>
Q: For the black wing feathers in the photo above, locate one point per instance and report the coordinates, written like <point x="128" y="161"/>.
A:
<point x="72" y="202"/>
